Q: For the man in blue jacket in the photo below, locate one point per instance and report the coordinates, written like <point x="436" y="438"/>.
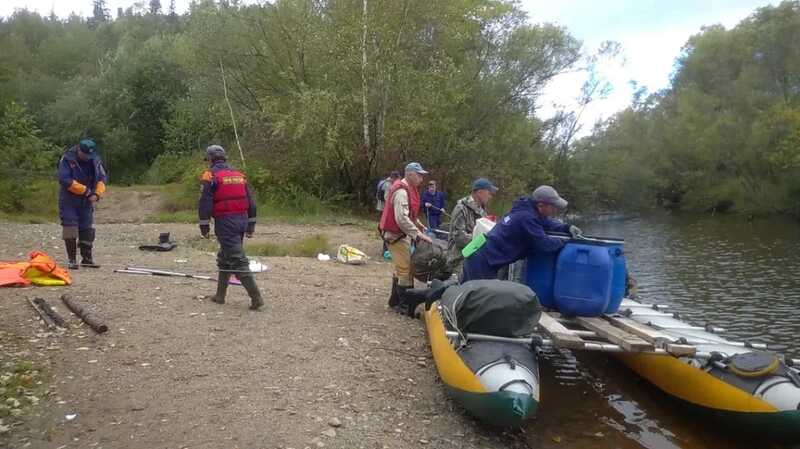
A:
<point x="83" y="183"/>
<point x="520" y="233"/>
<point x="433" y="201"/>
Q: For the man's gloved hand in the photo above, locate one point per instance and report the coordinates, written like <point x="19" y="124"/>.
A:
<point x="575" y="232"/>
<point x="251" y="229"/>
<point x="204" y="230"/>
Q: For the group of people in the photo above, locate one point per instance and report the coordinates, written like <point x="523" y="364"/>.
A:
<point x="521" y="232"/>
<point x="225" y="197"/>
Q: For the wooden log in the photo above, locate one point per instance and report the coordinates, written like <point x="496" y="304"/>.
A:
<point x="626" y="341"/>
<point x="562" y="337"/>
<point x="83" y="314"/>
<point x="45" y="306"/>
<point x="43" y="315"/>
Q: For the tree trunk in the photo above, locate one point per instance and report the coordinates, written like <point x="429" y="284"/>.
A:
<point x="364" y="99"/>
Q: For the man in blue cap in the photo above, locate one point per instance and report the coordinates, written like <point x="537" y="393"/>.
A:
<point x="83" y="182"/>
<point x="462" y="220"/>
<point x="520" y="233"/>
<point x="226" y="197"/>
<point x="400" y="227"/>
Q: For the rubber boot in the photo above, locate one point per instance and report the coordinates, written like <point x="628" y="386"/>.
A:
<point x="402" y="306"/>
<point x="394" y="298"/>
<point x="72" y="250"/>
<point x="222" y="288"/>
<point x="249" y="284"/>
<point x="86" y="256"/>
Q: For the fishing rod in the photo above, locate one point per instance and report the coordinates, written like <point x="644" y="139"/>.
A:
<point x="586" y="238"/>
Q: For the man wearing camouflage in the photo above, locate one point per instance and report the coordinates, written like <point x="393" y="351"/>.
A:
<point x="462" y="220"/>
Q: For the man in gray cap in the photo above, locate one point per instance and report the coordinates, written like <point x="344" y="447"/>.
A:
<point x="226" y="197"/>
<point x="400" y="226"/>
<point x="520" y="233"/>
<point x="462" y="220"/>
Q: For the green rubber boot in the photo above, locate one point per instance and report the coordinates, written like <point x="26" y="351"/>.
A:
<point x="222" y="288"/>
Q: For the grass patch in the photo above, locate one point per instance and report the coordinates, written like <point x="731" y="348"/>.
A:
<point x="307" y="247"/>
<point x="19" y="383"/>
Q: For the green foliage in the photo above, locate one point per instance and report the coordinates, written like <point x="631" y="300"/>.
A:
<point x="450" y="83"/>
<point x="725" y="136"/>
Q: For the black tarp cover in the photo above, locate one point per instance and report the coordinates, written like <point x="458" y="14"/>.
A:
<point x="493" y="307"/>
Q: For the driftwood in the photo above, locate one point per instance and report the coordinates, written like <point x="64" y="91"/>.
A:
<point x="45" y="306"/>
<point x="83" y="314"/>
<point x="45" y="317"/>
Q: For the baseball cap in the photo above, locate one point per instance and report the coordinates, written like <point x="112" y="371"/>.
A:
<point x="87" y="146"/>
<point x="548" y="195"/>
<point x="415" y="167"/>
<point x="483" y="184"/>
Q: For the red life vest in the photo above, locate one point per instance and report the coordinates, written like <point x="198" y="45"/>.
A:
<point x="388" y="220"/>
<point x="230" y="194"/>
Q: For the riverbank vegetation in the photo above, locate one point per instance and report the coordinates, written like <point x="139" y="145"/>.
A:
<point x="318" y="100"/>
<point x="725" y="135"/>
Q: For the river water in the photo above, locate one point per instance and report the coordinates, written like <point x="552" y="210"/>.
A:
<point x="736" y="274"/>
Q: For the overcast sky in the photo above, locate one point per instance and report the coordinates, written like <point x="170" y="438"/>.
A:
<point x="651" y="33"/>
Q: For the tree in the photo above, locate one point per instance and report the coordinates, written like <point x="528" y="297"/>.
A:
<point x="100" y="13"/>
<point x="155" y="7"/>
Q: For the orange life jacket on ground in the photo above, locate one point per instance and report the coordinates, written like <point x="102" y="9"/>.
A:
<point x="40" y="269"/>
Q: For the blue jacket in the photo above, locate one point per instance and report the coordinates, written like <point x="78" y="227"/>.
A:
<point x="521" y="233"/>
<point x="435" y="198"/>
<point x="80" y="179"/>
<point x="206" y="204"/>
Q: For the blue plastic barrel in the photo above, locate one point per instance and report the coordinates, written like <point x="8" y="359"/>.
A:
<point x="583" y="281"/>
<point x="620" y="269"/>
<point x="540" y="273"/>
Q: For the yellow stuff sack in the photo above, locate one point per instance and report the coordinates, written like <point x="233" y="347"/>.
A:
<point x="349" y="255"/>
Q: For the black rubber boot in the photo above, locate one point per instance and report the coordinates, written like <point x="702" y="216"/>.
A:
<point x="86" y="256"/>
<point x="222" y="288"/>
<point x="249" y="284"/>
<point x="72" y="251"/>
<point x="394" y="298"/>
<point x="402" y="306"/>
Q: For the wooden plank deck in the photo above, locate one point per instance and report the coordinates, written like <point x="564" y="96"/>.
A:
<point x="562" y="337"/>
<point x="628" y="342"/>
<point x="624" y="334"/>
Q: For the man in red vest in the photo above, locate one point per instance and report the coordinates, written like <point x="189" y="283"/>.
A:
<point x="400" y="226"/>
<point x="226" y="197"/>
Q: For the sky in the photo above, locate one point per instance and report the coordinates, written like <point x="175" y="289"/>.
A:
<point x="651" y="33"/>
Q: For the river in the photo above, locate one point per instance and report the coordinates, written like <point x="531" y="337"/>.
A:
<point x="727" y="271"/>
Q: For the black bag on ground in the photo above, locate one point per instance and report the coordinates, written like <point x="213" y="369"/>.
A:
<point x="502" y="308"/>
<point x="430" y="261"/>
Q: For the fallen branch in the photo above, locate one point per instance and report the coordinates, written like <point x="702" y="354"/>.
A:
<point x="83" y="314"/>
<point x="43" y="315"/>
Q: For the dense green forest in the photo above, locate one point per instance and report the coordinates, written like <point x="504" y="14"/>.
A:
<point x="321" y="97"/>
<point x="724" y="136"/>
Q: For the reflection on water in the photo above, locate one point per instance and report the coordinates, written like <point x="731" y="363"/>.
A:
<point x="732" y="273"/>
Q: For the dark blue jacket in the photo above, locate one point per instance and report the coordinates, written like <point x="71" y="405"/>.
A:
<point x="521" y="233"/>
<point x="80" y="179"/>
<point x="206" y="204"/>
<point x="436" y="199"/>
